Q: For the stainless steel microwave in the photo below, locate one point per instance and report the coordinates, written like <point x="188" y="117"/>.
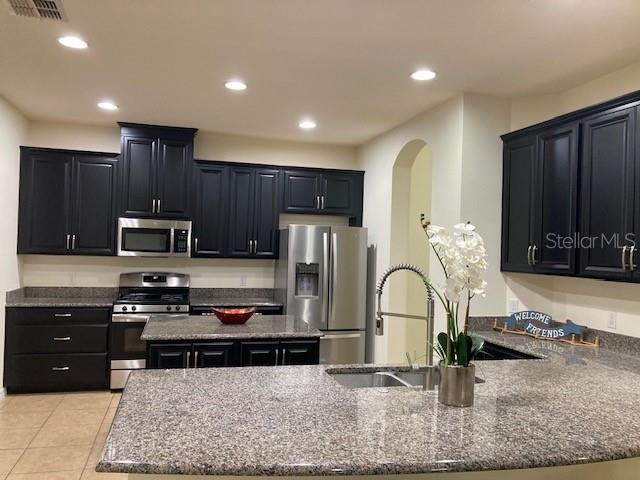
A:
<point x="148" y="237"/>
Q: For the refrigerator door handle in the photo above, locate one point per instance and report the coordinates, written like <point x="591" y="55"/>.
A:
<point x="340" y="336"/>
<point x="326" y="296"/>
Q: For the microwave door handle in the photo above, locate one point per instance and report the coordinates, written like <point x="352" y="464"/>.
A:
<point x="171" y="239"/>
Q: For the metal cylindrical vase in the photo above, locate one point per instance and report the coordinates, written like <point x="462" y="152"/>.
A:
<point x="456" y="385"/>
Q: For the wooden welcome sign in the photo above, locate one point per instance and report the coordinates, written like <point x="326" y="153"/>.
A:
<point x="539" y="325"/>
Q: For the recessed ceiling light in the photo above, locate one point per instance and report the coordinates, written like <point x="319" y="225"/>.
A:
<point x="423" y="74"/>
<point x="73" y="42"/>
<point x="107" y="105"/>
<point x="235" y="85"/>
<point x="307" y="124"/>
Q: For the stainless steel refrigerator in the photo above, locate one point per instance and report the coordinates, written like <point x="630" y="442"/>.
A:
<point x="321" y="276"/>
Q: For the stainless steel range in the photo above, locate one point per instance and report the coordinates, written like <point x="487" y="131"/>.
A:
<point x="141" y="295"/>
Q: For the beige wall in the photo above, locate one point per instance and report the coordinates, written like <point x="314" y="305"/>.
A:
<point x="95" y="271"/>
<point x="13" y="129"/>
<point x="207" y="146"/>
<point x="585" y="301"/>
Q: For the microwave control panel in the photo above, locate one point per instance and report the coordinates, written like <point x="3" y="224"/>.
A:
<point x="181" y="239"/>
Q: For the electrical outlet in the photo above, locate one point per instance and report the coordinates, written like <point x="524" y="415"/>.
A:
<point x="612" y="320"/>
<point x="514" y="305"/>
<point x="243" y="281"/>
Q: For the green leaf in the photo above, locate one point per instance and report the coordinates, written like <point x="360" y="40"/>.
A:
<point x="462" y="350"/>
<point x="477" y="344"/>
<point x="442" y="340"/>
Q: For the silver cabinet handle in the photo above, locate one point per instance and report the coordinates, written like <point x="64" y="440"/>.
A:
<point x="250" y="247"/>
<point x="632" y="265"/>
<point x="60" y="369"/>
<point x="153" y="206"/>
<point x="255" y="247"/>
<point x="529" y="255"/>
<point x="61" y="339"/>
<point x="284" y="356"/>
<point x="322" y="202"/>
<point x="624" y="253"/>
<point x="318" y="202"/>
<point x="195" y="359"/>
<point x="533" y="254"/>
<point x="188" y="359"/>
<point x="195" y="246"/>
<point x="277" y="355"/>
<point x="158" y="210"/>
<point x="60" y="315"/>
<point x="68" y="240"/>
<point x="73" y="241"/>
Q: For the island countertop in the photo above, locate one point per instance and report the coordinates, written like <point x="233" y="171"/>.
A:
<point x="575" y="406"/>
<point x="208" y="327"/>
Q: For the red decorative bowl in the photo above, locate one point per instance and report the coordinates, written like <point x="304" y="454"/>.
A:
<point x="234" y="316"/>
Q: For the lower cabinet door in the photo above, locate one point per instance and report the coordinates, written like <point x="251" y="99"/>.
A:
<point x="53" y="372"/>
<point x="169" y="355"/>
<point x="259" y="353"/>
<point x="300" y="352"/>
<point x="219" y="354"/>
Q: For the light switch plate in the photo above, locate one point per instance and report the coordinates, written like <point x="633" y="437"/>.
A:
<point x="612" y="320"/>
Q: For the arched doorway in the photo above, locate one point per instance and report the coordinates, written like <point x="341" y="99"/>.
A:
<point x="411" y="195"/>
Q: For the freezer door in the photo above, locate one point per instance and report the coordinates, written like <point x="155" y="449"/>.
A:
<point x="348" y="284"/>
<point x="342" y="348"/>
<point x="308" y="273"/>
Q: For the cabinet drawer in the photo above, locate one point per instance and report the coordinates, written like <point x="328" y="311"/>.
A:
<point x="58" y="315"/>
<point x="57" y="372"/>
<point x="59" y="339"/>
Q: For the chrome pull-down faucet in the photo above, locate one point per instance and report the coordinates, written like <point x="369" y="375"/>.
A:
<point x="430" y="371"/>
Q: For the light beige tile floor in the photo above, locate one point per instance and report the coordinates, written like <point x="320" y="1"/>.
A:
<point x="55" y="436"/>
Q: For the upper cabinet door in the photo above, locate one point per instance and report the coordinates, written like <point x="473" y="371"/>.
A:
<point x="302" y="191"/>
<point x="210" y="218"/>
<point x="44" y="224"/>
<point x="173" y="178"/>
<point x="266" y="208"/>
<point x="94" y="203"/>
<point x="138" y="180"/>
<point x="339" y="193"/>
<point x="240" y="226"/>
<point x="517" y="204"/>
<point x="607" y="194"/>
<point x="556" y="196"/>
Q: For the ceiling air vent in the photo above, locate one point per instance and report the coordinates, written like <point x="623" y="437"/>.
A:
<point x="47" y="9"/>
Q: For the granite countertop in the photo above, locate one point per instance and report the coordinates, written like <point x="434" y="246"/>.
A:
<point x="61" y="297"/>
<point x="577" y="405"/>
<point x="208" y="327"/>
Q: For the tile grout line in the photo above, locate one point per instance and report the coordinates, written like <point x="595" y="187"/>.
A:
<point x="34" y="437"/>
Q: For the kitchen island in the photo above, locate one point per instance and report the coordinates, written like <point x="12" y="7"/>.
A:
<point x="199" y="341"/>
<point x="569" y="415"/>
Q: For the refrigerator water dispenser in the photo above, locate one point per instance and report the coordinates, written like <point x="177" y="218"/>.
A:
<point x="307" y="279"/>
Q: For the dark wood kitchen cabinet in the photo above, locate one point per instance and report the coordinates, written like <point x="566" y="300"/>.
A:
<point x="67" y="202"/>
<point x="571" y="193"/>
<point x="210" y="211"/>
<point x="284" y="352"/>
<point x="157" y="163"/>
<point x="233" y="353"/>
<point x="609" y="176"/>
<point x="253" y="212"/>
<point x="169" y="355"/>
<point x="540" y="189"/>
<point x="330" y="192"/>
<point x="55" y="349"/>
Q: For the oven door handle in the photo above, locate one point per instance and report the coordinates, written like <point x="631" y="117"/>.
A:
<point x="129" y="318"/>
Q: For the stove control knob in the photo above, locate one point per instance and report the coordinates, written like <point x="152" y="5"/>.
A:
<point x="133" y="309"/>
<point x="177" y="308"/>
<point x="168" y="308"/>
<point x="124" y="309"/>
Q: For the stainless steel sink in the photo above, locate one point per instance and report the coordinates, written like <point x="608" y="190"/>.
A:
<point x="379" y="379"/>
<point x="382" y="379"/>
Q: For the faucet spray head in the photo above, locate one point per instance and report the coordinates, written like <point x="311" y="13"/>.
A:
<point x="379" y="324"/>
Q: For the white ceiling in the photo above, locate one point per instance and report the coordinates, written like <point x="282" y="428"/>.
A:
<point x="344" y="62"/>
